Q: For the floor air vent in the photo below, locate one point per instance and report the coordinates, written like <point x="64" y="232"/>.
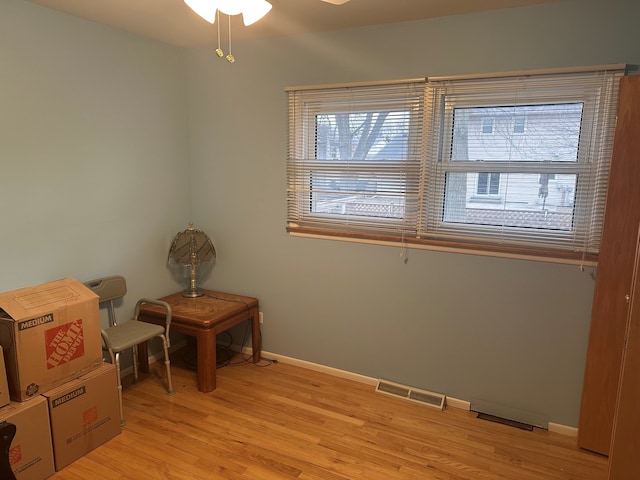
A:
<point x="505" y="421"/>
<point x="430" y="399"/>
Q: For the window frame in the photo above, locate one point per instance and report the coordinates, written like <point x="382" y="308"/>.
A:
<point x="443" y="165"/>
<point x="519" y="125"/>
<point x="304" y="110"/>
<point x="489" y="181"/>
<point x="487" y="125"/>
<point x="356" y="167"/>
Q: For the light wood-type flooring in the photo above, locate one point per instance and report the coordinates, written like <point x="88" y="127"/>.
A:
<point x="287" y="422"/>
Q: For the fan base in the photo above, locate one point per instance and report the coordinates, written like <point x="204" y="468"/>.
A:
<point x="193" y="292"/>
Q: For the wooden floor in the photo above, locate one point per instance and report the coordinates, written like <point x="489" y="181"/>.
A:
<point x="283" y="421"/>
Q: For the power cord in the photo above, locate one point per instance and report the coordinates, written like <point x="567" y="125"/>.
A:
<point x="224" y="353"/>
<point x="249" y="358"/>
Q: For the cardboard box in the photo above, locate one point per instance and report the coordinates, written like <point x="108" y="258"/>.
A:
<point x="4" y="386"/>
<point x="30" y="454"/>
<point x="84" y="413"/>
<point x="50" y="334"/>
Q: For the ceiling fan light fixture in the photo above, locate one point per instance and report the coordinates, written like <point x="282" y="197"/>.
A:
<point x="251" y="10"/>
<point x="254" y="10"/>
<point x="231" y="7"/>
<point x="205" y="8"/>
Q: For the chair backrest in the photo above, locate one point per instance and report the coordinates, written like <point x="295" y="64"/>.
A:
<point x="108" y="290"/>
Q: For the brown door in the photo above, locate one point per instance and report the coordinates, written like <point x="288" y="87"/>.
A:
<point x="614" y="274"/>
<point x="624" y="455"/>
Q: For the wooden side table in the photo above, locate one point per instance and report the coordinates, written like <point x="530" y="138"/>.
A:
<point x="204" y="317"/>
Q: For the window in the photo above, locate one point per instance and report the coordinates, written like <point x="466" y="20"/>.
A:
<point x="510" y="164"/>
<point x="488" y="183"/>
<point x="487" y="125"/>
<point x="355" y="156"/>
<point x="518" y="124"/>
<point x="528" y="202"/>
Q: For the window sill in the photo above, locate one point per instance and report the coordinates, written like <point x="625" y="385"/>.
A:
<point x="496" y="199"/>
<point x="569" y="258"/>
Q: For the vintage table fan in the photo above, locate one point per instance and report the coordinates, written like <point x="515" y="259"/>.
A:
<point x="191" y="259"/>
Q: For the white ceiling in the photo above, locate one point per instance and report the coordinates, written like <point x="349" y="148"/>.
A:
<point x="171" y="21"/>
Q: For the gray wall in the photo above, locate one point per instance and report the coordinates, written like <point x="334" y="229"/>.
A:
<point x="507" y="332"/>
<point x="93" y="151"/>
<point x="110" y="143"/>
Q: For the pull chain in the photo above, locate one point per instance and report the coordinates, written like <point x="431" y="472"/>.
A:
<point x="219" y="51"/>
<point x="230" y="57"/>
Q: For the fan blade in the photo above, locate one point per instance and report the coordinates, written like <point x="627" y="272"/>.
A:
<point x="336" y="2"/>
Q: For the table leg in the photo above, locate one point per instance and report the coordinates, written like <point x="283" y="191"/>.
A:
<point x="206" y="350"/>
<point x="143" y="357"/>
<point x="256" y="343"/>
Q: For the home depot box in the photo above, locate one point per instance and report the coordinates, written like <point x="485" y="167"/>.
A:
<point x="84" y="413"/>
<point x="4" y="386"/>
<point x="30" y="453"/>
<point x="50" y="334"/>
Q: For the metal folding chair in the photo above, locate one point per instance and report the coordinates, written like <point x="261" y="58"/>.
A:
<point x="119" y="337"/>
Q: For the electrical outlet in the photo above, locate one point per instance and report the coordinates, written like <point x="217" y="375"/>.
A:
<point x="260" y="317"/>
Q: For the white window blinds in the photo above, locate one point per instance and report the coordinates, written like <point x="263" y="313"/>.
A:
<point x="537" y="179"/>
<point x="354" y="157"/>
<point x="513" y="164"/>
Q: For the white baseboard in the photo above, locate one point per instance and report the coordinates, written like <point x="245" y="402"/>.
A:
<point x="457" y="403"/>
<point x="563" y="429"/>
<point x="450" y="401"/>
<point x="318" y="368"/>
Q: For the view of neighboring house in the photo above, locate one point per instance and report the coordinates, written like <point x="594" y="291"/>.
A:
<point x="532" y="163"/>
<point x="515" y="166"/>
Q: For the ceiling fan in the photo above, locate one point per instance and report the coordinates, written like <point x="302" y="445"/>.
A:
<point x="336" y="2"/>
